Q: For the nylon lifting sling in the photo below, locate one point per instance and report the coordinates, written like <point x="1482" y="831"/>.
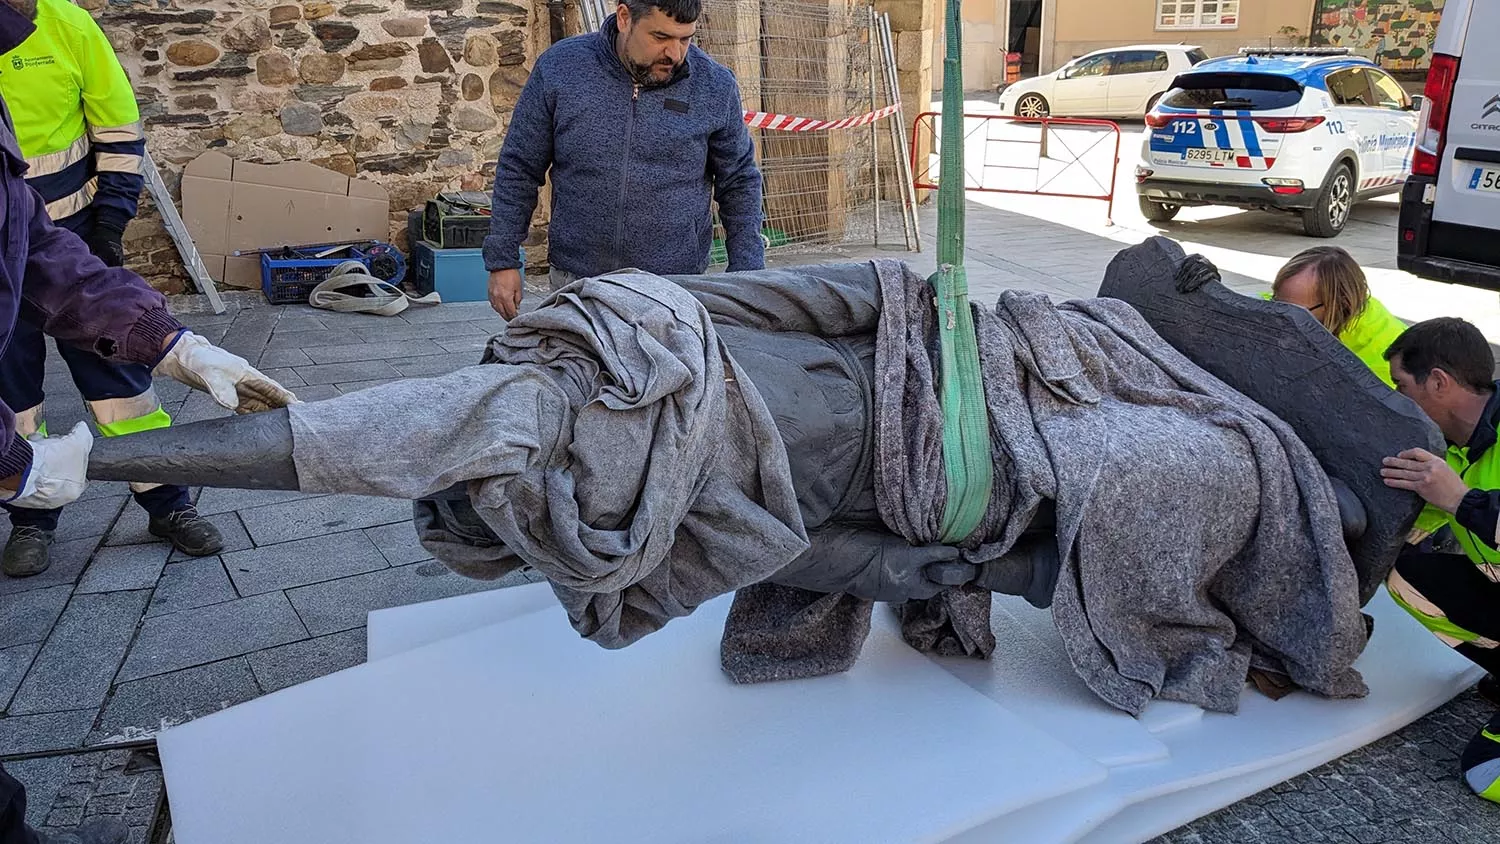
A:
<point x="966" y="428"/>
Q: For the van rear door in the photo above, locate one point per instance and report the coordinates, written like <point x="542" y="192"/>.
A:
<point x="1466" y="210"/>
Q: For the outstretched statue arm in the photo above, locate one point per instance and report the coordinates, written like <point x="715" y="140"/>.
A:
<point x="407" y="439"/>
<point x="242" y="452"/>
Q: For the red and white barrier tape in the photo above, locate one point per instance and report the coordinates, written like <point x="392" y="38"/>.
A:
<point x="788" y="123"/>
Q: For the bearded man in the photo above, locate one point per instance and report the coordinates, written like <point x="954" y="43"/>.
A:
<point x="641" y="131"/>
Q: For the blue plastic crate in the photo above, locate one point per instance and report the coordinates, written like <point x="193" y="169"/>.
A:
<point x="290" y="281"/>
<point x="458" y="275"/>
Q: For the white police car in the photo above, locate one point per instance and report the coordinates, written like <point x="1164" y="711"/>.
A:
<point x="1308" y="131"/>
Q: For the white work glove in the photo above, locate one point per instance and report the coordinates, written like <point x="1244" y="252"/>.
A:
<point x="229" y="378"/>
<point x="58" y="471"/>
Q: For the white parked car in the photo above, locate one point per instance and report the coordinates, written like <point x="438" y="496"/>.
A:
<point x="1309" y="131"/>
<point x="1450" y="208"/>
<point x="1118" y="82"/>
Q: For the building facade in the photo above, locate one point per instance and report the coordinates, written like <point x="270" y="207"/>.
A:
<point x="1072" y="28"/>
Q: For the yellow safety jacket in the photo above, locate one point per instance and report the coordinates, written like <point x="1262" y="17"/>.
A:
<point x="1477" y="521"/>
<point x="76" y="119"/>
<point x="1370" y="334"/>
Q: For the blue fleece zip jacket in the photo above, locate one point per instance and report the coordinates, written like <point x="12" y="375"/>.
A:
<point x="634" y="168"/>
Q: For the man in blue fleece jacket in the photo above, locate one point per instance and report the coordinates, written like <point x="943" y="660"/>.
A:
<point x="641" y="130"/>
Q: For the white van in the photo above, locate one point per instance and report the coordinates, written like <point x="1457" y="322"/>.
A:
<point x="1450" y="206"/>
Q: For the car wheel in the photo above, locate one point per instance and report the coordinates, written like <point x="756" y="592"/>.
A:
<point x="1331" y="213"/>
<point x="1158" y="212"/>
<point x="1151" y="106"/>
<point x="1032" y="105"/>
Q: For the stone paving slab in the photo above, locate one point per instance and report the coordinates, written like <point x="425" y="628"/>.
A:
<point x="38" y="733"/>
<point x="123" y="568"/>
<point x="215" y="501"/>
<point x="284" y="522"/>
<point x="301" y="562"/>
<point x="79" y="660"/>
<point x="29" y="616"/>
<point x="208" y="634"/>
<point x="44" y="779"/>
<point x="89" y="518"/>
<point x="14" y="663"/>
<point x="190" y="584"/>
<point x="359" y="370"/>
<point x="281" y="358"/>
<point x="121" y="784"/>
<point x="439" y="332"/>
<point x="440" y="364"/>
<point x="154" y="702"/>
<point x="288" y="665"/>
<point x="380" y="350"/>
<point x="348" y="387"/>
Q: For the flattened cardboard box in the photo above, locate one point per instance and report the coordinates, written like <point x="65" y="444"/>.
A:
<point x="229" y="205"/>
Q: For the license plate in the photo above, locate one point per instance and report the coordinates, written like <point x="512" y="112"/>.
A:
<point x="1213" y="156"/>
<point x="1485" y="179"/>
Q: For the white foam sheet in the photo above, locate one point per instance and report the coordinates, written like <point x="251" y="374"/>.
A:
<point x="1030" y="675"/>
<point x="521" y="731"/>
<point x="1173" y="764"/>
<point x="400" y="629"/>
<point x="1225" y="758"/>
<point x="1215" y="760"/>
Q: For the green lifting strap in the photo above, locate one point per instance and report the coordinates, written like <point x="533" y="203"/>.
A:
<point x="966" y="426"/>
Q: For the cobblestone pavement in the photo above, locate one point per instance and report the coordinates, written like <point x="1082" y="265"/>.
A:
<point x="121" y="636"/>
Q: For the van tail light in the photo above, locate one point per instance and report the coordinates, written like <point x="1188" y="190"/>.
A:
<point x="1157" y="120"/>
<point x="1289" y="125"/>
<point x="1432" y="121"/>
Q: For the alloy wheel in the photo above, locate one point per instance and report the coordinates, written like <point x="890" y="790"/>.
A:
<point x="1031" y="106"/>
<point x="1339" y="201"/>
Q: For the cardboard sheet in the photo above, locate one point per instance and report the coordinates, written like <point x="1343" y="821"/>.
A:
<point x="231" y="205"/>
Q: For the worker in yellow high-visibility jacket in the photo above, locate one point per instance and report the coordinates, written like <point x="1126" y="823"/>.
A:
<point x="79" y="128"/>
<point x="1446" y="366"/>
<point x="1327" y="281"/>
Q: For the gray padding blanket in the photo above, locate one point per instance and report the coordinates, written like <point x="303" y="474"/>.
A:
<point x="1198" y="534"/>
<point x="614" y="443"/>
<point x="610" y="443"/>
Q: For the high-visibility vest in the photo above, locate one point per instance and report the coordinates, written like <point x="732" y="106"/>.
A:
<point x="75" y="116"/>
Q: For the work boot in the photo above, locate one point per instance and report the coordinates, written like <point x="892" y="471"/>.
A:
<point x="188" y="532"/>
<point x="102" y="831"/>
<point x="26" y="551"/>
<point x="1480" y="761"/>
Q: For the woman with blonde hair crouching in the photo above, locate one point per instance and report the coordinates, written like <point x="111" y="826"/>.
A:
<point x="1327" y="281"/>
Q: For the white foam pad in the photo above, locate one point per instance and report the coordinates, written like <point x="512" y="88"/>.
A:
<point x="521" y="731"/>
<point x="1173" y="764"/>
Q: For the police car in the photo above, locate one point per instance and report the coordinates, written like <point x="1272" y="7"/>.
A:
<point x="1309" y="131"/>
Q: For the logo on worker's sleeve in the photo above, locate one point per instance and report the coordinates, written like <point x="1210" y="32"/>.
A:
<point x="23" y="62"/>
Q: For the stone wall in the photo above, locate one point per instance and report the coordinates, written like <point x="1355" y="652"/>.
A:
<point x="413" y="94"/>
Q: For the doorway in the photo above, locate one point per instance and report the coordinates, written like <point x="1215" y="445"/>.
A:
<point x="1025" y="35"/>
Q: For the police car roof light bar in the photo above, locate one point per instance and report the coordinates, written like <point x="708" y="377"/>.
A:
<point x="1295" y="51"/>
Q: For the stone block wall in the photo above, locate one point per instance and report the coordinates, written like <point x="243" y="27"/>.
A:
<point x="413" y="94"/>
